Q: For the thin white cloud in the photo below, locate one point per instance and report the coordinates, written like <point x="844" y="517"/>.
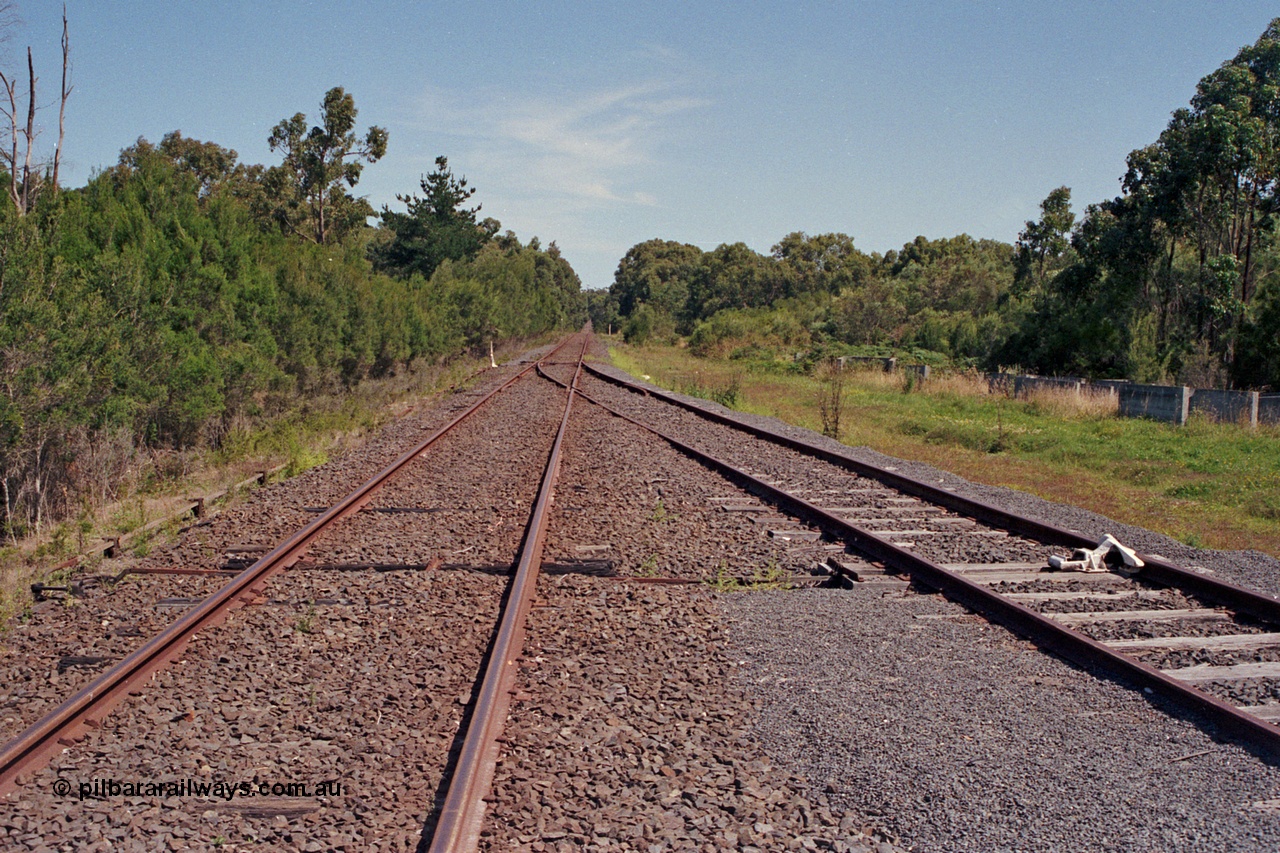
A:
<point x="587" y="149"/>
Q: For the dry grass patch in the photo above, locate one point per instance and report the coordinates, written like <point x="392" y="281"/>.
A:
<point x="1063" y="403"/>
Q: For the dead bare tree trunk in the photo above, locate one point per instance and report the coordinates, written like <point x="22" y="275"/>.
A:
<point x="30" y="134"/>
<point x="25" y="187"/>
<point x="8" y="510"/>
<point x="8" y="21"/>
<point x="66" y="93"/>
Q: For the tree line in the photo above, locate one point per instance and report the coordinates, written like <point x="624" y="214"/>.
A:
<point x="1175" y="279"/>
<point x="182" y="294"/>
<point x="1177" y="276"/>
<point x="945" y="296"/>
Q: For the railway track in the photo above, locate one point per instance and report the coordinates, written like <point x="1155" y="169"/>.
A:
<point x="602" y="709"/>
<point x="1162" y="627"/>
<point x="341" y="538"/>
<point x="86" y="708"/>
<point x="362" y="648"/>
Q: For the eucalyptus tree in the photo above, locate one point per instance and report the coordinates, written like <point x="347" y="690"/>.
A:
<point x="307" y="194"/>
<point x="1045" y="240"/>
<point x="732" y="275"/>
<point x="1207" y="192"/>
<point x="1163" y="280"/>
<point x="657" y="273"/>
<point x="822" y="262"/>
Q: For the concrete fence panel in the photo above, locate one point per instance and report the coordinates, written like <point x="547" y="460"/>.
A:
<point x="885" y="364"/>
<point x="1024" y="385"/>
<point x="1169" y="403"/>
<point x="1227" y="406"/>
<point x="1109" y="387"/>
<point x="1269" y="409"/>
<point x="1000" y="383"/>
<point x="921" y="371"/>
<point x="1021" y="386"/>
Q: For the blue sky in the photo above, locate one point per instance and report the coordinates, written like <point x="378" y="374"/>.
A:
<point x="600" y="125"/>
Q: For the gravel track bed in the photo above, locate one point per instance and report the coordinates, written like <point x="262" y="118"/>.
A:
<point x="1067" y="586"/>
<point x="629" y="731"/>
<point x="1237" y="691"/>
<point x="1178" y="658"/>
<point x="476" y="486"/>
<point x="627" y="735"/>
<point x="1141" y="630"/>
<point x="629" y="498"/>
<point x="368" y="690"/>
<point x="107" y="625"/>
<point x="1253" y="691"/>
<point x="1248" y="568"/>
<point x="358" y="677"/>
<point x="943" y="536"/>
<point x="648" y="717"/>
<point x="1139" y="597"/>
<point x="958" y="736"/>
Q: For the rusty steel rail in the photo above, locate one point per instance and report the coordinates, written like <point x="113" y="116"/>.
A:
<point x="87" y="708"/>
<point x="462" y="816"/>
<point x="1261" y="737"/>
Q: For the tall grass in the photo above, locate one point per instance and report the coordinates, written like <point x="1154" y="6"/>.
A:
<point x="1062" y="403"/>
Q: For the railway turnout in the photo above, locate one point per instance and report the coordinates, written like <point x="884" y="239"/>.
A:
<point x="508" y="636"/>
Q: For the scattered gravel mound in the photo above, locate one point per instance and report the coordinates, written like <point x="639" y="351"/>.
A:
<point x="958" y="736"/>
